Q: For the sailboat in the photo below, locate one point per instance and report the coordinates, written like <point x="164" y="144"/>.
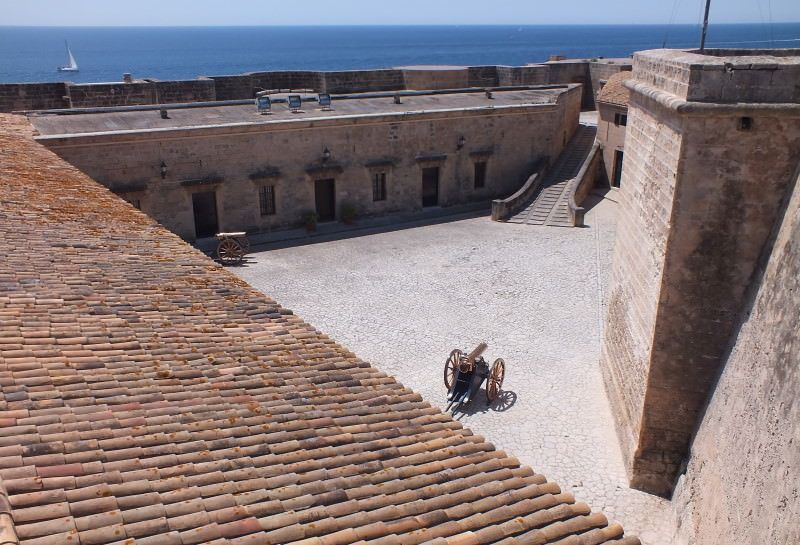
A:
<point x="71" y="66"/>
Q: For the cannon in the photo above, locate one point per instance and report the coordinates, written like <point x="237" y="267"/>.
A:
<point x="464" y="374"/>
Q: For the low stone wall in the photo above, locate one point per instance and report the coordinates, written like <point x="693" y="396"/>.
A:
<point x="41" y="96"/>
<point x="32" y="96"/>
<point x="523" y="75"/>
<point x="94" y="95"/>
<point x="303" y="79"/>
<point x="359" y="81"/>
<point x="419" y="79"/>
<point x="484" y="76"/>
<point x="502" y="209"/>
<point x="233" y="87"/>
<point x="171" y="92"/>
<point x="583" y="183"/>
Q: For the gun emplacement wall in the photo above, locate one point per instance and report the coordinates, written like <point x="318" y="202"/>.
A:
<point x="65" y="95"/>
<point x="711" y="147"/>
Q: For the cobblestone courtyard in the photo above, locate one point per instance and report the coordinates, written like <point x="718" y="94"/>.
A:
<point x="402" y="300"/>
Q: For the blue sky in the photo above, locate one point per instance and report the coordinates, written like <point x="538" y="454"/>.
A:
<point x="358" y="12"/>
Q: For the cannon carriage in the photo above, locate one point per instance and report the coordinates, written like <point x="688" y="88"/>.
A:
<point x="465" y="373"/>
<point x="232" y="247"/>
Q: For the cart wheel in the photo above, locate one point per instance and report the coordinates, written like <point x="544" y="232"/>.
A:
<point x="495" y="381"/>
<point x="244" y="242"/>
<point x="450" y="367"/>
<point x="229" y="252"/>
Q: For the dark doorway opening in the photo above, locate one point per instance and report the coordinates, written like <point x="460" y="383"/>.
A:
<point x="325" y="198"/>
<point x="617" y="168"/>
<point x="430" y="186"/>
<point x="205" y="214"/>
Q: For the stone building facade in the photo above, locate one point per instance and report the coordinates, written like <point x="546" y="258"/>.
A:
<point x="612" y="120"/>
<point x="227" y="168"/>
<point x="712" y="151"/>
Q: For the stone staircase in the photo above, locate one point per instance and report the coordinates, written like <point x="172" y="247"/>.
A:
<point x="549" y="205"/>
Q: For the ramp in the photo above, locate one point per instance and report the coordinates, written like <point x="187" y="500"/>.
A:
<point x="549" y="205"/>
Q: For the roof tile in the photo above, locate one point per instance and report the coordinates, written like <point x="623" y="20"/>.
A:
<point x="151" y="398"/>
<point x="614" y="91"/>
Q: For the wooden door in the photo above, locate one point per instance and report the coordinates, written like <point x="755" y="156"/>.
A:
<point x="325" y="198"/>
<point x="430" y="186"/>
<point x="204" y="205"/>
<point x="618" y="156"/>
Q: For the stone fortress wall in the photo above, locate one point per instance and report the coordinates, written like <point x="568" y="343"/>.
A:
<point x="712" y="151"/>
<point x="741" y="483"/>
<point x="60" y="95"/>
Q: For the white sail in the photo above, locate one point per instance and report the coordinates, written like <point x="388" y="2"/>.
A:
<point x="71" y="66"/>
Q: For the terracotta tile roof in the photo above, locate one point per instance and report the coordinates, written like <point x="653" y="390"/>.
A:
<point x="614" y="92"/>
<point x="151" y="398"/>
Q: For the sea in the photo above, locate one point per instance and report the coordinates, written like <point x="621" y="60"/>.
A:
<point x="32" y="54"/>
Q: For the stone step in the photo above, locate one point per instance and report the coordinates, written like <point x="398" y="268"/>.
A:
<point x="549" y="205"/>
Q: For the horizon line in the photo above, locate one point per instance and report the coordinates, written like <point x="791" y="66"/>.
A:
<point x="322" y="25"/>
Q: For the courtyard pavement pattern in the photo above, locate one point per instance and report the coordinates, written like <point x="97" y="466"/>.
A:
<point x="403" y="300"/>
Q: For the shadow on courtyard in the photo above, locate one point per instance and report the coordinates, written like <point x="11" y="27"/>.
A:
<point x="333" y="231"/>
<point x="341" y="232"/>
<point x="598" y="195"/>
<point x="505" y="400"/>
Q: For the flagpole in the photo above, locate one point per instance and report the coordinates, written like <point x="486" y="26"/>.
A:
<point x="705" y="27"/>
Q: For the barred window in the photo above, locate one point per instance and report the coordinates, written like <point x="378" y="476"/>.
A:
<point x="379" y="186"/>
<point x="266" y="197"/>
<point x="479" y="174"/>
<point x="620" y="120"/>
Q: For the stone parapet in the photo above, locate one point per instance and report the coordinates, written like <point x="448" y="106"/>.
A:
<point x="754" y="76"/>
<point x="45" y="96"/>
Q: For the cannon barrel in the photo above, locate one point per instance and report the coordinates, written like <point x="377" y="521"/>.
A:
<point x="475" y="354"/>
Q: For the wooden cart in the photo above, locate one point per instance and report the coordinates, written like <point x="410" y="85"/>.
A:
<point x="232" y="247"/>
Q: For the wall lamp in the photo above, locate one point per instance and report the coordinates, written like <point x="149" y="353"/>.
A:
<point x="163" y="170"/>
<point x="461" y="142"/>
<point x="326" y="154"/>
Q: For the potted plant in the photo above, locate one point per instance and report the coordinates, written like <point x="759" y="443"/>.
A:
<point x="347" y="213"/>
<point x="310" y="220"/>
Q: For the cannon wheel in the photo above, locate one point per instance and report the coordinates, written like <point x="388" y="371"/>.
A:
<point x="495" y="380"/>
<point x="450" y="367"/>
<point x="229" y="252"/>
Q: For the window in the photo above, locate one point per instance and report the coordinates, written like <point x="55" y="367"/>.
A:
<point x="620" y="120"/>
<point x="479" y="174"/>
<point x="379" y="186"/>
<point x="136" y="203"/>
<point x="266" y="198"/>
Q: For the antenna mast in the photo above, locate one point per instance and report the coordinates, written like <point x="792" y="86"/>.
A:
<point x="705" y="27"/>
